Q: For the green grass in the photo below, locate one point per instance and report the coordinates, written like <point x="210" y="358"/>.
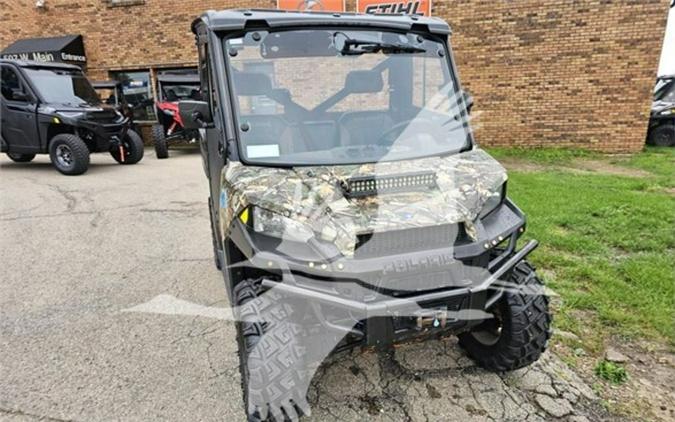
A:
<point x="659" y="161"/>
<point x="542" y="155"/>
<point x="607" y="241"/>
<point x="612" y="372"/>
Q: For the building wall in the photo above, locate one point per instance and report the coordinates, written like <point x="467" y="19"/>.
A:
<point x="132" y="35"/>
<point x="18" y="19"/>
<point x="542" y="72"/>
<point x="559" y="72"/>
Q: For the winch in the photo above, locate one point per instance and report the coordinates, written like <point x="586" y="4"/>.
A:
<point x="428" y="318"/>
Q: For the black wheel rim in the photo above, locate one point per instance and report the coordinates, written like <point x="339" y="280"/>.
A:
<point x="490" y="331"/>
<point x="64" y="156"/>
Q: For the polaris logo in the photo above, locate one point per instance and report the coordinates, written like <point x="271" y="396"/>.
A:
<point x="421" y="265"/>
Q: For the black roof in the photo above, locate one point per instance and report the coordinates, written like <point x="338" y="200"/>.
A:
<point x="666" y="77"/>
<point x="236" y="19"/>
<point x="46" y="65"/>
<point x="66" y="44"/>
<point x="29" y="45"/>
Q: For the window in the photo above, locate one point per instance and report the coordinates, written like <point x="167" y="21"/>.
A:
<point x="384" y="96"/>
<point x="10" y="83"/>
<point x="107" y="96"/>
<point x="137" y="91"/>
<point x="178" y="84"/>
<point x="62" y="86"/>
<point x="665" y="90"/>
<point x="428" y="82"/>
<point x="260" y="104"/>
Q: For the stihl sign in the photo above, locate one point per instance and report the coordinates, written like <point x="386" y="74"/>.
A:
<point x="414" y="7"/>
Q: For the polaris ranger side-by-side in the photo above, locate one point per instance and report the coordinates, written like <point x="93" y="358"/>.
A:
<point x="662" y="119"/>
<point x="171" y="89"/>
<point x="51" y="108"/>
<point x="350" y="206"/>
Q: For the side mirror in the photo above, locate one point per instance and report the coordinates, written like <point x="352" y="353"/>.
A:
<point x="19" y="95"/>
<point x="195" y="114"/>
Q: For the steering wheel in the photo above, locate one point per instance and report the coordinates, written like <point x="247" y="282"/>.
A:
<point x="415" y="126"/>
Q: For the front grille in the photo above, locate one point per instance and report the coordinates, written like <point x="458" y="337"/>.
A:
<point x="105" y="116"/>
<point x="361" y="186"/>
<point x="396" y="242"/>
<point x="424" y="281"/>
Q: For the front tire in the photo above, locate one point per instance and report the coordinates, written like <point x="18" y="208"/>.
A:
<point x="20" y="158"/>
<point x="69" y="154"/>
<point x="159" y="139"/>
<point x="662" y="136"/>
<point x="269" y="353"/>
<point x="133" y="149"/>
<point x="519" y="332"/>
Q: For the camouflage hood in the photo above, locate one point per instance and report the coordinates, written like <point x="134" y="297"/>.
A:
<point x="317" y="198"/>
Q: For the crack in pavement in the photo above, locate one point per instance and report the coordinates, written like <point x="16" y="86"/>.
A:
<point x="430" y="393"/>
<point x="18" y="412"/>
<point x="71" y="200"/>
<point x="71" y="213"/>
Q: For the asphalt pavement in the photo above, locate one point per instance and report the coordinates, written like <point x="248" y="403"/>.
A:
<point x="86" y="258"/>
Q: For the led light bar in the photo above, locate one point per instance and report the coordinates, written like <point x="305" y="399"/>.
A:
<point x="372" y="185"/>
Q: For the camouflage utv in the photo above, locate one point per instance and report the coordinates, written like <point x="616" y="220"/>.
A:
<point x="349" y="204"/>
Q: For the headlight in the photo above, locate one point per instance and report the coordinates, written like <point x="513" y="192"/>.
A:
<point x="667" y="112"/>
<point x="70" y="115"/>
<point x="276" y="225"/>
<point x="493" y="201"/>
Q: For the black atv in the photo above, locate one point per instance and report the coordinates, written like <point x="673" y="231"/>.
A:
<point x="350" y="206"/>
<point x="662" y="120"/>
<point x="50" y="108"/>
<point x="171" y="89"/>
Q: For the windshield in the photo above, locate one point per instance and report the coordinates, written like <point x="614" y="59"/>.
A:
<point x="108" y="95"/>
<point x="177" y="92"/>
<point x="63" y="86"/>
<point x="665" y="90"/>
<point x="327" y="97"/>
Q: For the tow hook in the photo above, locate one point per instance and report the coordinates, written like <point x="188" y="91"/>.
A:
<point x="433" y="319"/>
<point x="121" y="152"/>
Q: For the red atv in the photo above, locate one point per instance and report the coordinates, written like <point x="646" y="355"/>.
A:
<point x="173" y="88"/>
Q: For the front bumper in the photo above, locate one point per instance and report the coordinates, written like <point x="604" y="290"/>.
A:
<point x="391" y="298"/>
<point x="104" y="136"/>
<point x="400" y="305"/>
